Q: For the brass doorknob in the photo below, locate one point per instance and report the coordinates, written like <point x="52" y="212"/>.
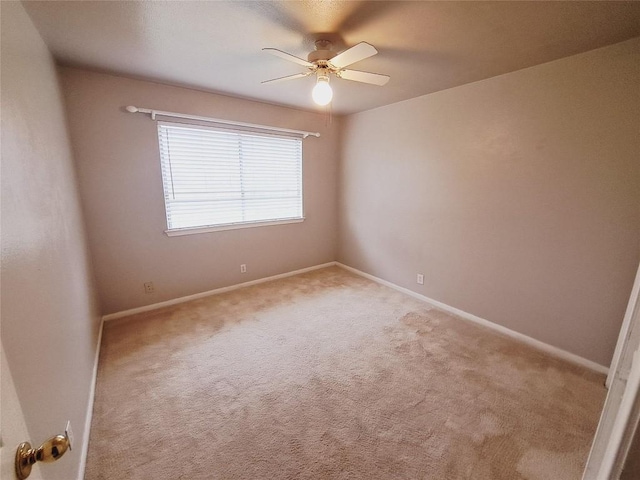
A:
<point x="49" y="451"/>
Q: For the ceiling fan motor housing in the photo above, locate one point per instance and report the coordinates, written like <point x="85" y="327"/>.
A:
<point x="322" y="53"/>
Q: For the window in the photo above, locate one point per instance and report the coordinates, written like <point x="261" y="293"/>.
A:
<point x="216" y="178"/>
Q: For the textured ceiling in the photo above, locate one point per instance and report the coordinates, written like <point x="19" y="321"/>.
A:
<point x="423" y="46"/>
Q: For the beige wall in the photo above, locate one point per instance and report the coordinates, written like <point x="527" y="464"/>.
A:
<point x="50" y="317"/>
<point x="118" y="165"/>
<point x="518" y="197"/>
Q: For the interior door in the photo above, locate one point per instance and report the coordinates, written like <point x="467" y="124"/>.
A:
<point x="621" y="412"/>
<point x="13" y="429"/>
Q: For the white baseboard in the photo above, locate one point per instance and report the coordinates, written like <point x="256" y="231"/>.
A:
<point x="92" y="394"/>
<point x="555" y="351"/>
<point x="217" y="291"/>
<point x="550" y="349"/>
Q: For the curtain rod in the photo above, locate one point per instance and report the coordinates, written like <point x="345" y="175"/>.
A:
<point x="153" y="113"/>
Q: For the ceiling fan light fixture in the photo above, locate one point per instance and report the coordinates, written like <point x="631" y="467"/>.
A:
<point x="324" y="62"/>
<point x="322" y="92"/>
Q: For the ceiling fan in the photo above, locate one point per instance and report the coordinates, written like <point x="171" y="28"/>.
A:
<point x="324" y="62"/>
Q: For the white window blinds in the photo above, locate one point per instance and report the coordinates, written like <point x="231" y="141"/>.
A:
<point x="215" y="177"/>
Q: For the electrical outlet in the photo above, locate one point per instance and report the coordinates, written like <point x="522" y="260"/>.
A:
<point x="148" y="287"/>
<point x="420" y="279"/>
<point x="243" y="268"/>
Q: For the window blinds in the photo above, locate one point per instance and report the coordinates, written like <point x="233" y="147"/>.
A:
<point x="215" y="177"/>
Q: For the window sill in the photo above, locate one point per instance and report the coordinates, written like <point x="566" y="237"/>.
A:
<point x="233" y="226"/>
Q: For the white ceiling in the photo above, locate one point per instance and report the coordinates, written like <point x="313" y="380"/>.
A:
<point x="424" y="46"/>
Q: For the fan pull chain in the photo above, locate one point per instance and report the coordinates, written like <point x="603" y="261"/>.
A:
<point x="328" y="114"/>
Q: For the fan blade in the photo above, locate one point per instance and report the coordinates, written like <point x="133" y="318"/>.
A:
<point x="287" y="56"/>
<point x="288" y="77"/>
<point x="365" y="77"/>
<point x="354" y="54"/>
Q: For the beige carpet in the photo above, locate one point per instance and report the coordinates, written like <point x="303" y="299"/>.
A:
<point x="327" y="375"/>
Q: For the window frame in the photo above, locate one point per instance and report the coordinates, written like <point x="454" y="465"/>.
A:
<point x="172" y="232"/>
